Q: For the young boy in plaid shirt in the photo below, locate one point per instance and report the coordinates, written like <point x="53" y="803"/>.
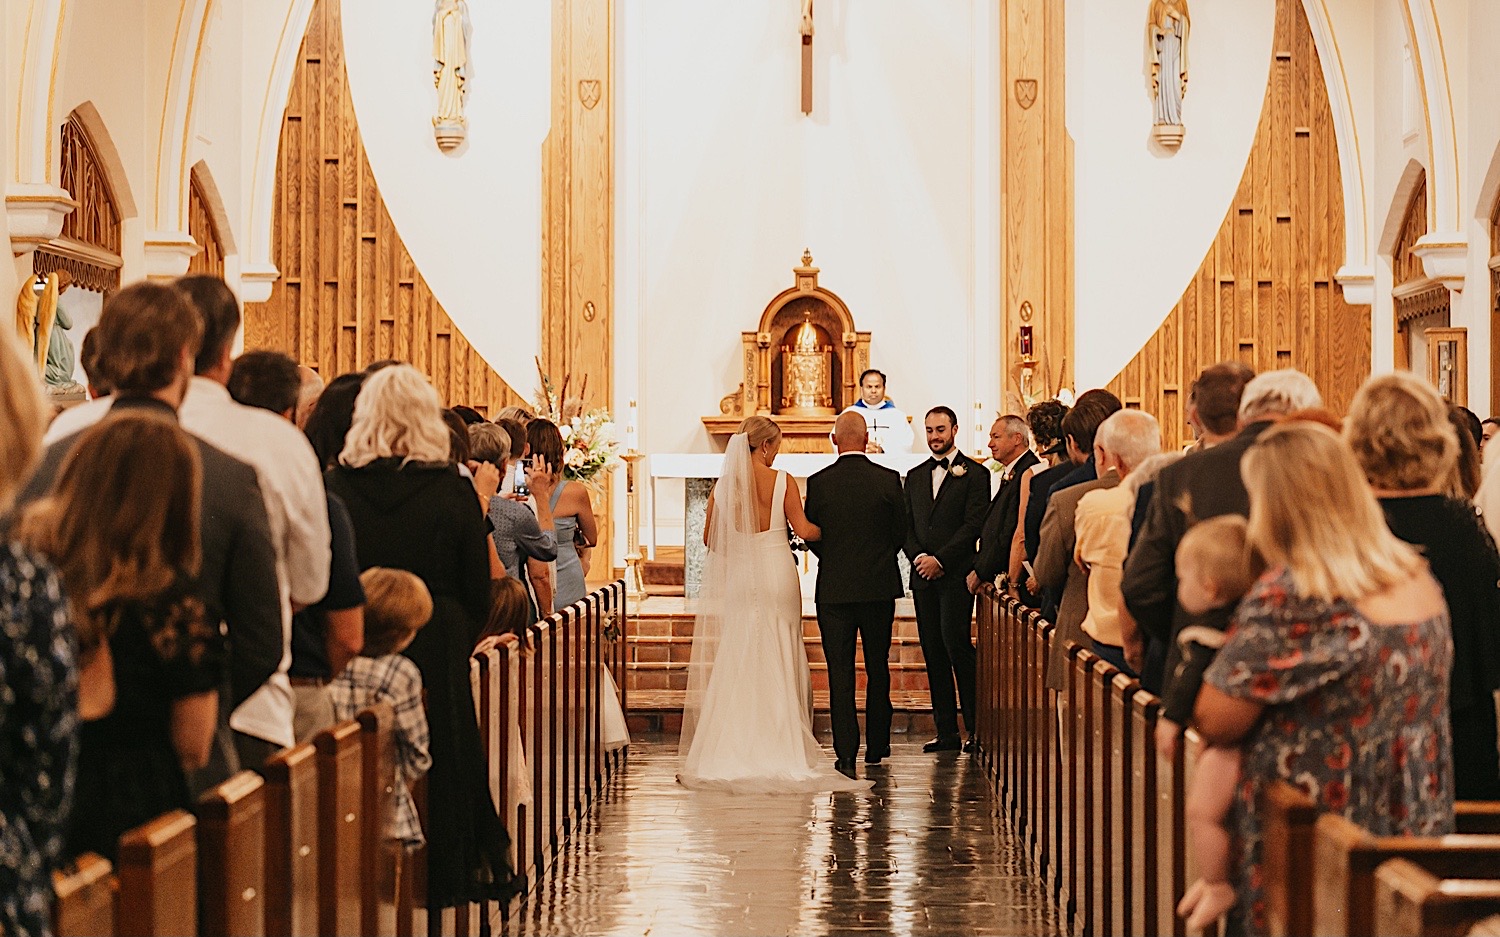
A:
<point x="397" y="605"/>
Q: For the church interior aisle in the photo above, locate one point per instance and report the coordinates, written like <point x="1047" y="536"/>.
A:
<point x="923" y="854"/>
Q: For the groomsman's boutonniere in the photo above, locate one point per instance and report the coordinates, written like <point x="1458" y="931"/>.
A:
<point x="959" y="470"/>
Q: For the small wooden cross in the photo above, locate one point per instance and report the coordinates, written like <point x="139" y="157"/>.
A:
<point x="807" y="38"/>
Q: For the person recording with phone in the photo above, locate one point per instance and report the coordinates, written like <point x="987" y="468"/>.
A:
<point x="518" y="532"/>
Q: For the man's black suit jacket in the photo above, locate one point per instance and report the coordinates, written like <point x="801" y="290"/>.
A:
<point x="947" y="526"/>
<point x="237" y="581"/>
<point x="863" y="515"/>
<point x="1000" y="525"/>
<point x="1198" y="486"/>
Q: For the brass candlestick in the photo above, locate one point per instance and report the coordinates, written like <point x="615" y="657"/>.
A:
<point x="635" y="583"/>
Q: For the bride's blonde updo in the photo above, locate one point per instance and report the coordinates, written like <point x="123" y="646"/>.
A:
<point x="760" y="430"/>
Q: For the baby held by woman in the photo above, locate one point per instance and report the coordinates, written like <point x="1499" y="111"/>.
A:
<point x="1215" y="569"/>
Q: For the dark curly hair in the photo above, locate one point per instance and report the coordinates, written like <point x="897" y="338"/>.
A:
<point x="1045" y="420"/>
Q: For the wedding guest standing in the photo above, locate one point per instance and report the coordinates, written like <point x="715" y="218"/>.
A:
<point x="1010" y="447"/>
<point x="860" y="509"/>
<point x="413" y="511"/>
<point x="1334" y="675"/>
<point x="121" y="526"/>
<point x="946" y="499"/>
<point x="572" y="516"/>
<point x="1399" y="429"/>
<point x="38" y="679"/>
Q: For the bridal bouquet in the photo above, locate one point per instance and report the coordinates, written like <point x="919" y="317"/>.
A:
<point x="590" y="449"/>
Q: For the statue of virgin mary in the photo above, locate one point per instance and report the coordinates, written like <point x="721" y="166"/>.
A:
<point x="450" y="54"/>
<point x="1167" y="36"/>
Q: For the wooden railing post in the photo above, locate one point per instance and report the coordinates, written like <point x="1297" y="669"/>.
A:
<point x="158" y="874"/>
<point x="231" y="858"/>
<point x="1145" y="904"/>
<point x="85" y="898"/>
<point x="292" y="842"/>
<point x="340" y="764"/>
<point x="1121" y="692"/>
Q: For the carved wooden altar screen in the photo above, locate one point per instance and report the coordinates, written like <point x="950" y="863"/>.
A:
<point x="764" y="387"/>
<point x="88" y="249"/>
<point x="1421" y="302"/>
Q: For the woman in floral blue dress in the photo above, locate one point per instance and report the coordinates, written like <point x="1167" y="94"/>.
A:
<point x="1335" y="673"/>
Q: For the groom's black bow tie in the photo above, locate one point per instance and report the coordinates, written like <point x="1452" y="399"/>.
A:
<point x="943" y="463"/>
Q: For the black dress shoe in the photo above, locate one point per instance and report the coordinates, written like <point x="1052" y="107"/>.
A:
<point x="971" y="746"/>
<point x="943" y="744"/>
<point x="845" y="766"/>
<point x="873" y="756"/>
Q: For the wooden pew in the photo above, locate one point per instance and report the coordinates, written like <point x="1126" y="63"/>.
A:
<point x="231" y="858"/>
<point x="1121" y="692"/>
<point x="340" y="762"/>
<point x="1347" y="856"/>
<point x="1412" y="902"/>
<point x="1288" y="817"/>
<point x="1145" y="904"/>
<point x="1099" y="805"/>
<point x="292" y="843"/>
<point x="158" y="876"/>
<point x="85" y="898"/>
<point x="381" y="872"/>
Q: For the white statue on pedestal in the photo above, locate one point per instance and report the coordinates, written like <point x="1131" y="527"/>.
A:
<point x="450" y="53"/>
<point x="1167" y="37"/>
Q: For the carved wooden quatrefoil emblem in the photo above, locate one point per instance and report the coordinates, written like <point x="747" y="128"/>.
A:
<point x="589" y="90"/>
<point x="1025" y="92"/>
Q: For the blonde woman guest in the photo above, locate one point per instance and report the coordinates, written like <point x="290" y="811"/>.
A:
<point x="1335" y="672"/>
<point x="1405" y="442"/>
<point x="38" y="661"/>
<point x="413" y="511"/>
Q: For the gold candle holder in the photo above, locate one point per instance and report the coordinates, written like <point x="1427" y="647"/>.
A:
<point x="635" y="583"/>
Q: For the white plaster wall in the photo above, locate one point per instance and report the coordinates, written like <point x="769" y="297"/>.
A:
<point x="1480" y="117"/>
<point x="471" y="219"/>
<point x="1145" y="219"/>
<point x="723" y="182"/>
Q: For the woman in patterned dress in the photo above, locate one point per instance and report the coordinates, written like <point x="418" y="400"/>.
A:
<point x="38" y="679"/>
<point x="1335" y="673"/>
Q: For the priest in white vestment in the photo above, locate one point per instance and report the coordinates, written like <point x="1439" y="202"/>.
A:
<point x="890" y="427"/>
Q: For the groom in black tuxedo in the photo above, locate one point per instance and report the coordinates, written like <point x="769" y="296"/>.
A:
<point x="947" y="497"/>
<point x="858" y="505"/>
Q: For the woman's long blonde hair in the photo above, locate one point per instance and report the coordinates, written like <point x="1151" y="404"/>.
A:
<point x="1312" y="511"/>
<point x="121" y="523"/>
<point x="23" y="413"/>
<point x="397" y="414"/>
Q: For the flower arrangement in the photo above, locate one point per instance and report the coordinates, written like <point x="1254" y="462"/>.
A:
<point x="590" y="449"/>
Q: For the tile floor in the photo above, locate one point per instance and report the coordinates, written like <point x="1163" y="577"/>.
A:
<point x="922" y="853"/>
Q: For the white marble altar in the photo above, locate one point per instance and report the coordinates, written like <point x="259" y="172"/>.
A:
<point x="698" y="470"/>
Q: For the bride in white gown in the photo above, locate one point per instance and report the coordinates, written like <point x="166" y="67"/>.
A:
<point x="747" y="722"/>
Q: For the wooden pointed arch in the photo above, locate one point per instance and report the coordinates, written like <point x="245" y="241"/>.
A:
<point x="1266" y="294"/>
<point x="87" y="249"/>
<point x="349" y="292"/>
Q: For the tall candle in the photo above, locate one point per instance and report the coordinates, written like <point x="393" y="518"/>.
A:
<point x="632" y="431"/>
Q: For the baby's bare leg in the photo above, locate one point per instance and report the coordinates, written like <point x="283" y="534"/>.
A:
<point x="1209" y="800"/>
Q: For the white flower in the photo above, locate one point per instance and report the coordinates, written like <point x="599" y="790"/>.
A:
<point x="567" y="432"/>
<point x="574" y="458"/>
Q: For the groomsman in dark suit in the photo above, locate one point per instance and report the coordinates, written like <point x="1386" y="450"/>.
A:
<point x="858" y="505"/>
<point x="947" y="497"/>
<point x="1010" y="447"/>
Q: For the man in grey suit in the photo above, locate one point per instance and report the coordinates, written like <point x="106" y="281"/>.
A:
<point x="1054" y="568"/>
<point x="148" y="336"/>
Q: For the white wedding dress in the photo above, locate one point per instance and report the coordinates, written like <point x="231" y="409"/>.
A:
<point x="747" y="722"/>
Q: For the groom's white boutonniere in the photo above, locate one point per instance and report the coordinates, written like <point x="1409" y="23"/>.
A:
<point x="959" y="470"/>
